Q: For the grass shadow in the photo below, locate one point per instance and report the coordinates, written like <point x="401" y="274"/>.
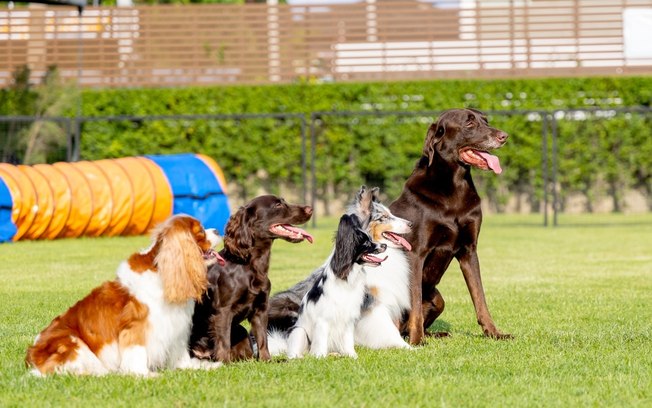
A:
<point x="438" y="327"/>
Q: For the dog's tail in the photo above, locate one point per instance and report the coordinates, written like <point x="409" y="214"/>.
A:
<point x="284" y="307"/>
<point x="277" y="342"/>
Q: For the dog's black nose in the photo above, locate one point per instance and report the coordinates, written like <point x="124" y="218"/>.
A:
<point x="501" y="137"/>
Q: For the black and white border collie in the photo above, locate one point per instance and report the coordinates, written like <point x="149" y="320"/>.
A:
<point x="335" y="302"/>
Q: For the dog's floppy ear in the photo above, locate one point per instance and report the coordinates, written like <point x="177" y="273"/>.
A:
<point x="179" y="260"/>
<point x="345" y="246"/>
<point x="436" y="131"/>
<point x="237" y="237"/>
<point x="483" y="115"/>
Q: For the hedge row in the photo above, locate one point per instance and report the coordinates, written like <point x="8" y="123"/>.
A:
<point x="598" y="155"/>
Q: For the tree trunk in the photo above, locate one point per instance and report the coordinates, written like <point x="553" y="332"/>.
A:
<point x="588" y="206"/>
<point x="615" y="197"/>
<point x="326" y="197"/>
<point x="648" y="195"/>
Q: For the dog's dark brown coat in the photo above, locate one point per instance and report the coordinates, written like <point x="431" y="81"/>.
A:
<point x="239" y="290"/>
<point x="444" y="207"/>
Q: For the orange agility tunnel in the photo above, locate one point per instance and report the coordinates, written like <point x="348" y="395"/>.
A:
<point x="125" y="196"/>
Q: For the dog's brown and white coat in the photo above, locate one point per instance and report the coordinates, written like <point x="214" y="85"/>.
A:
<point x="141" y="321"/>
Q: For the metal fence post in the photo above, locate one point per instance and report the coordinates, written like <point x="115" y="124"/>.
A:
<point x="544" y="162"/>
<point x="555" y="159"/>
<point x="313" y="141"/>
<point x="76" y="148"/>
<point x="70" y="142"/>
<point x="304" y="167"/>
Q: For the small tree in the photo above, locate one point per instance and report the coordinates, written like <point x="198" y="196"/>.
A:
<point x="45" y="140"/>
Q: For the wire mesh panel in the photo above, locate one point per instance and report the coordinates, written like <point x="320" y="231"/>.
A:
<point x="566" y="161"/>
<point x="381" y="149"/>
<point x="603" y="160"/>
<point x="29" y="140"/>
<point x="265" y="152"/>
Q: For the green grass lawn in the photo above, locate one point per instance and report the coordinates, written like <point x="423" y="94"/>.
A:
<point x="578" y="299"/>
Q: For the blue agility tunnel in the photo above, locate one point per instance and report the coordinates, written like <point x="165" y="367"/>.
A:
<point x="7" y="228"/>
<point x="198" y="187"/>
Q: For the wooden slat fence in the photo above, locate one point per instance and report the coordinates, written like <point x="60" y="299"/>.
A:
<point x="179" y="45"/>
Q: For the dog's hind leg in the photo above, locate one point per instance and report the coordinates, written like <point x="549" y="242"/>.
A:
<point x="242" y="346"/>
<point x="277" y="342"/>
<point x="86" y="362"/>
<point x="432" y="308"/>
<point x="297" y="343"/>
<point x="376" y="330"/>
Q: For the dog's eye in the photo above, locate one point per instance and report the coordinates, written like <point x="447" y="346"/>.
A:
<point x="278" y="205"/>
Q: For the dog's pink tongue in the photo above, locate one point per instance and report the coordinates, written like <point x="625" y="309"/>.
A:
<point x="220" y="260"/>
<point x="299" y="231"/>
<point x="402" y="241"/>
<point x="375" y="258"/>
<point x="214" y="254"/>
<point x="492" y="161"/>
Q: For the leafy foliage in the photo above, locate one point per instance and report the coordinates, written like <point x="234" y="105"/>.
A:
<point x="600" y="153"/>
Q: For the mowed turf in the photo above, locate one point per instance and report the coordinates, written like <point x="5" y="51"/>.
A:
<point x="577" y="298"/>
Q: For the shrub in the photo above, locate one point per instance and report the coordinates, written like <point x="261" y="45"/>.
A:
<point x="598" y="154"/>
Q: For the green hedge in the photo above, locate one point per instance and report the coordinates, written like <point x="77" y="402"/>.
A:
<point x="598" y="155"/>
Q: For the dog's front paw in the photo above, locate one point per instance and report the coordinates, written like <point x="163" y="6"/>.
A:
<point x="223" y="356"/>
<point x="264" y="355"/>
<point x="438" y="335"/>
<point x="145" y="374"/>
<point x="209" y="365"/>
<point x="201" y="353"/>
<point x="416" y="335"/>
<point x="348" y="353"/>
<point x="497" y="335"/>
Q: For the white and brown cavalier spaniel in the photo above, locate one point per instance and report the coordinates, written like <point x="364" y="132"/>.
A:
<point x="140" y="322"/>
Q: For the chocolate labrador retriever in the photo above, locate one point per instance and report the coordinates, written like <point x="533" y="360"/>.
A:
<point x="444" y="207"/>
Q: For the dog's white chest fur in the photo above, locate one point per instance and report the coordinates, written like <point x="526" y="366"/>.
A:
<point x="342" y="299"/>
<point x="328" y="322"/>
<point x="390" y="285"/>
<point x="390" y="282"/>
<point x="169" y="324"/>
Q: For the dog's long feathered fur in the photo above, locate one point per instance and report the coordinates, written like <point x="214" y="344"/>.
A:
<point x="139" y="322"/>
<point x="335" y="301"/>
<point x="387" y="286"/>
